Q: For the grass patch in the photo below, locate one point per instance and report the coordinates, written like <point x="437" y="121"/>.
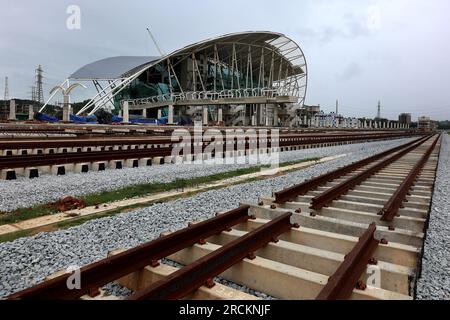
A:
<point x="15" y="235"/>
<point x="128" y="192"/>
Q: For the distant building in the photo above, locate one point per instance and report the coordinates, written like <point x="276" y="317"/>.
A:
<point x="404" y="118"/>
<point x="424" y="124"/>
<point x="333" y="120"/>
<point x="311" y="109"/>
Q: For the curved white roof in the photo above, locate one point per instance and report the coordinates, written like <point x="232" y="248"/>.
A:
<point x="111" y="68"/>
<point x="120" y="67"/>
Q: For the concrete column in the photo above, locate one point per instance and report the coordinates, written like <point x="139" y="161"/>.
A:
<point x="275" y="115"/>
<point x="12" y="109"/>
<point x="254" y="120"/>
<point x="66" y="113"/>
<point x="261" y="120"/>
<point x="205" y="115"/>
<point x="66" y="108"/>
<point x="159" y="113"/>
<point x="126" y="115"/>
<point x="170" y="117"/>
<point x="30" y="112"/>
<point x="220" y="114"/>
<point x="144" y="113"/>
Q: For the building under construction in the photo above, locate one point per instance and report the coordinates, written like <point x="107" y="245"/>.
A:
<point x="247" y="78"/>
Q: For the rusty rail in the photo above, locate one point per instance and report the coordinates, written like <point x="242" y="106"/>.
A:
<point x="341" y="284"/>
<point x="335" y="192"/>
<point x="291" y="193"/>
<point x="285" y="139"/>
<point x="189" y="278"/>
<point x="395" y="202"/>
<point x="112" y="268"/>
<point x="22" y="161"/>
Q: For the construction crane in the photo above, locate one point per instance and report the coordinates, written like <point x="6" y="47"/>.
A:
<point x="155" y="43"/>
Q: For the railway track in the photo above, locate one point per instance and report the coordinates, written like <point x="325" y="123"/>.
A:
<point x="353" y="233"/>
<point x="88" y="151"/>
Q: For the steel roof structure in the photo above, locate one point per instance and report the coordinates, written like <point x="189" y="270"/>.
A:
<point x="111" y="68"/>
<point x="261" y="60"/>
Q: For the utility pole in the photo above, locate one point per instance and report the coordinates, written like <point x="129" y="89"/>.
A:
<point x="337" y="106"/>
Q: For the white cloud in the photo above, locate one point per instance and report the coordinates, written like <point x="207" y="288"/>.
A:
<point x="373" y="21"/>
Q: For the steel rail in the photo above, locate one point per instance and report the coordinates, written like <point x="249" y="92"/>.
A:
<point x="77" y="157"/>
<point x="65" y="158"/>
<point x="291" y="193"/>
<point x="349" y="138"/>
<point x="112" y="268"/>
<point x="335" y="192"/>
<point x="341" y="284"/>
<point x="395" y="202"/>
<point x="187" y="279"/>
<point x="168" y="140"/>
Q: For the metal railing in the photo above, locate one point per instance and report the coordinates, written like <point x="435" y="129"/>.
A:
<point x="210" y="95"/>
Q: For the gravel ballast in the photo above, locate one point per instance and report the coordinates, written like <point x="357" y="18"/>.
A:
<point x="29" y="260"/>
<point x="434" y="282"/>
<point x="25" y="192"/>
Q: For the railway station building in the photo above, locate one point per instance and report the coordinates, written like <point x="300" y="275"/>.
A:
<point x="246" y="78"/>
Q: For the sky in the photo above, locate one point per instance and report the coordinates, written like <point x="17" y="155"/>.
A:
<point x="358" y="51"/>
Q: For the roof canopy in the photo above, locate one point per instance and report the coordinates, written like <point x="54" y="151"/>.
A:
<point x="111" y="68"/>
<point x="123" y="66"/>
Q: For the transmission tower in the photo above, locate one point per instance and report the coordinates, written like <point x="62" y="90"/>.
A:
<point x="38" y="90"/>
<point x="6" y="97"/>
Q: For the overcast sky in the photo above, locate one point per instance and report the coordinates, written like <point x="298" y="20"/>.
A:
<point x="359" y="52"/>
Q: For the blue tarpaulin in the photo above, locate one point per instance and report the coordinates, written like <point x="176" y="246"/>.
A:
<point x="116" y="118"/>
<point x="46" y="117"/>
<point x="143" y="121"/>
<point x="93" y="119"/>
